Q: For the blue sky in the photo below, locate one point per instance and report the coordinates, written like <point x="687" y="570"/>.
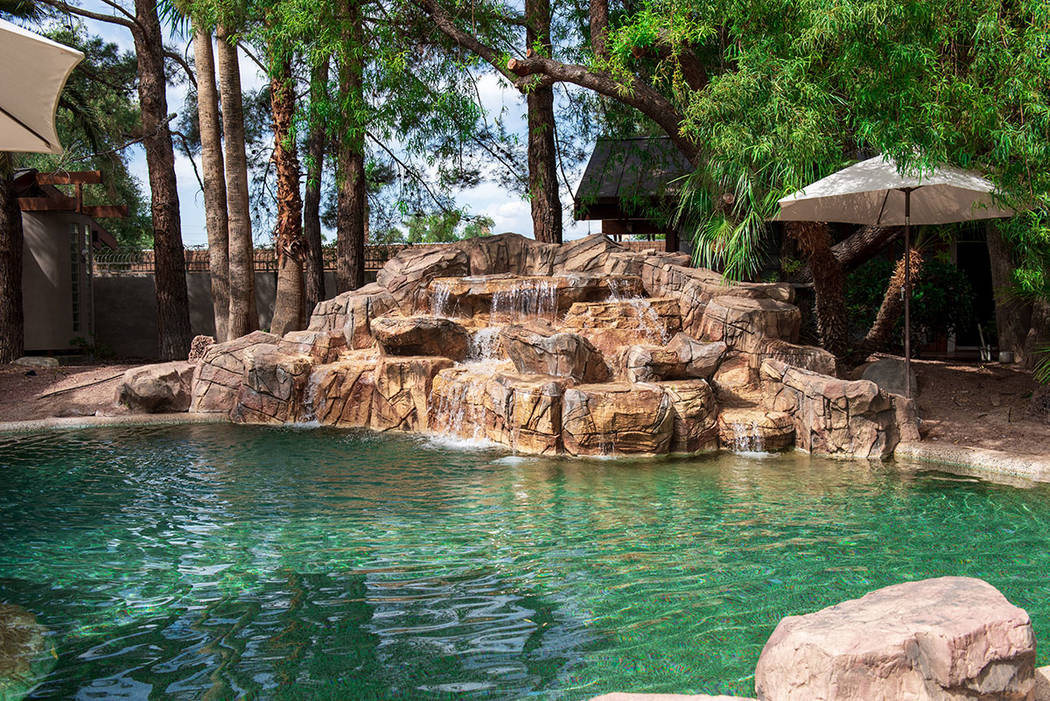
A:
<point x="509" y="210"/>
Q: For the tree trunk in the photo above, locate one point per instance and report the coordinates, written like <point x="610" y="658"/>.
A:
<point x="12" y="323"/>
<point x="542" y="153"/>
<point x="350" y="175"/>
<point x="290" y="248"/>
<point x="881" y="332"/>
<point x="214" y="172"/>
<point x="814" y="239"/>
<point x="1013" y="316"/>
<point x="315" y="144"/>
<point x="1039" y="335"/>
<point x="173" y="316"/>
<point x="598" y="14"/>
<point x="243" y="315"/>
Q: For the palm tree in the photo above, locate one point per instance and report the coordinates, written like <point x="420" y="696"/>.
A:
<point x="214" y="179"/>
<point x="243" y="317"/>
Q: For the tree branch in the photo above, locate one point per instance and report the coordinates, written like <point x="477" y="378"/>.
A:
<point x="183" y="63"/>
<point x="80" y="12"/>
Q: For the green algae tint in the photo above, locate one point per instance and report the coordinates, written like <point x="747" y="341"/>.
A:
<point x="234" y="561"/>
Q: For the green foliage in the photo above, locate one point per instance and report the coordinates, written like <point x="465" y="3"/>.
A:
<point x="97" y="119"/>
<point x="942" y="299"/>
<point x="438" y="227"/>
<point x="1042" y="366"/>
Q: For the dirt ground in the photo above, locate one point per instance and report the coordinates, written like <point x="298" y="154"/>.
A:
<point x="982" y="406"/>
<point x="73" y="390"/>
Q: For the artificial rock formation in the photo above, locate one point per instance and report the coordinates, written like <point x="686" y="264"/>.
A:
<point x="157" y="389"/>
<point x="945" y="639"/>
<point x="583" y="348"/>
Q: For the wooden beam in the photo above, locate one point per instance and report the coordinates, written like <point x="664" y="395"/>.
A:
<point x="82" y="177"/>
<point x="102" y="211"/>
<point x="47" y="204"/>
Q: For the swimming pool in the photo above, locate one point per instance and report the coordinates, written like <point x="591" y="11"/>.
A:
<point x="312" y="563"/>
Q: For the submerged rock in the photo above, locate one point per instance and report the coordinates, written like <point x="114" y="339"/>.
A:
<point x="951" y="638"/>
<point x="22" y="643"/>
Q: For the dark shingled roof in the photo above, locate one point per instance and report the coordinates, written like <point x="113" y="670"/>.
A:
<point x="628" y="169"/>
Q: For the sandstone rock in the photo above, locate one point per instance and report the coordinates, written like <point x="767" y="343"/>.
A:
<point x="744" y="324"/>
<point x="951" y="638"/>
<point x="533" y="412"/>
<point x="340" y="393"/>
<point x="157" y="389"/>
<point x="320" y="346"/>
<point x="682" y="358"/>
<point x="462" y="404"/>
<point x="199" y="346"/>
<point x="502" y="253"/>
<point x="751" y="430"/>
<point x="382" y="393"/>
<point x="695" y="412"/>
<point x="735" y="379"/>
<point x="1042" y="684"/>
<point x="421" y="335"/>
<point x="838" y="416"/>
<point x="607" y="419"/>
<point x="36" y="361"/>
<point x="888" y="374"/>
<point x="220" y="372"/>
<point x="584" y="254"/>
<point x="272" y="390"/>
<point x="23" y="642"/>
<point x="402" y="392"/>
<point x="805" y="357"/>
<point x="536" y="349"/>
<point x="407" y="275"/>
<point x="352" y="312"/>
<point x="612" y="325"/>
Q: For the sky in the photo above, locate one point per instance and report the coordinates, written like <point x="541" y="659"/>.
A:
<point x="508" y="210"/>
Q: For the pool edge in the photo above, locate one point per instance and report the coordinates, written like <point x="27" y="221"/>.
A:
<point x="77" y="422"/>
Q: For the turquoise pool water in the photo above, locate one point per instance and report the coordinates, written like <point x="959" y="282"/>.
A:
<point x="231" y="561"/>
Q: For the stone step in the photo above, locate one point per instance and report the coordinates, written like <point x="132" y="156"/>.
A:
<point x="755" y="430"/>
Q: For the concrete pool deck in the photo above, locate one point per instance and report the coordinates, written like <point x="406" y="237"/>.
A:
<point x="978" y="461"/>
<point x="75" y="422"/>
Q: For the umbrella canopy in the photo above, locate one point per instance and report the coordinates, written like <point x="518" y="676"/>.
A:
<point x="873" y="192"/>
<point x="34" y="72"/>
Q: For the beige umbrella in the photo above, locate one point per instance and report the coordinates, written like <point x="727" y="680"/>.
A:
<point x="874" y="192"/>
<point x="33" y="71"/>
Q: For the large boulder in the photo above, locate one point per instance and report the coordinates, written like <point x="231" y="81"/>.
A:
<point x="695" y="412"/>
<point x="617" y="323"/>
<point x="615" y="418"/>
<point x="157" y="389"/>
<point x="753" y="429"/>
<point x="272" y="390"/>
<point x="745" y="323"/>
<point x="682" y="358"/>
<point x="945" y="639"/>
<point x="889" y="375"/>
<point x="407" y="275"/>
<point x="382" y="393"/>
<point x="421" y="335"/>
<point x="320" y="346"/>
<point x="806" y="357"/>
<point x="351" y="313"/>
<point x="588" y="253"/>
<point x="220" y="372"/>
<point x="537" y="349"/>
<point x="836" y="416"/>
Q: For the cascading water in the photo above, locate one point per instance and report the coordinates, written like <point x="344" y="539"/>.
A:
<point x="485" y="344"/>
<point x="439" y="299"/>
<point x="648" y="319"/>
<point x="451" y="415"/>
<point x="526" y="299"/>
<point x="747" y="437"/>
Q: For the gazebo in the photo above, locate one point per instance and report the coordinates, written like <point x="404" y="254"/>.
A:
<point x="629" y="185"/>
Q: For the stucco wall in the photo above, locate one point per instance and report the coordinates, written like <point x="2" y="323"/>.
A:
<point x="47" y="281"/>
<point x="126" y="310"/>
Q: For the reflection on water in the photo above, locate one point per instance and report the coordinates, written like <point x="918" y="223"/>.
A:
<point x="226" y="561"/>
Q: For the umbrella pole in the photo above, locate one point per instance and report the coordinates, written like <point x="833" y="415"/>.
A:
<point x="907" y="292"/>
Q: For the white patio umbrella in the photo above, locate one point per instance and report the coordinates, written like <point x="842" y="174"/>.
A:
<point x="33" y="71"/>
<point x="873" y="192"/>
